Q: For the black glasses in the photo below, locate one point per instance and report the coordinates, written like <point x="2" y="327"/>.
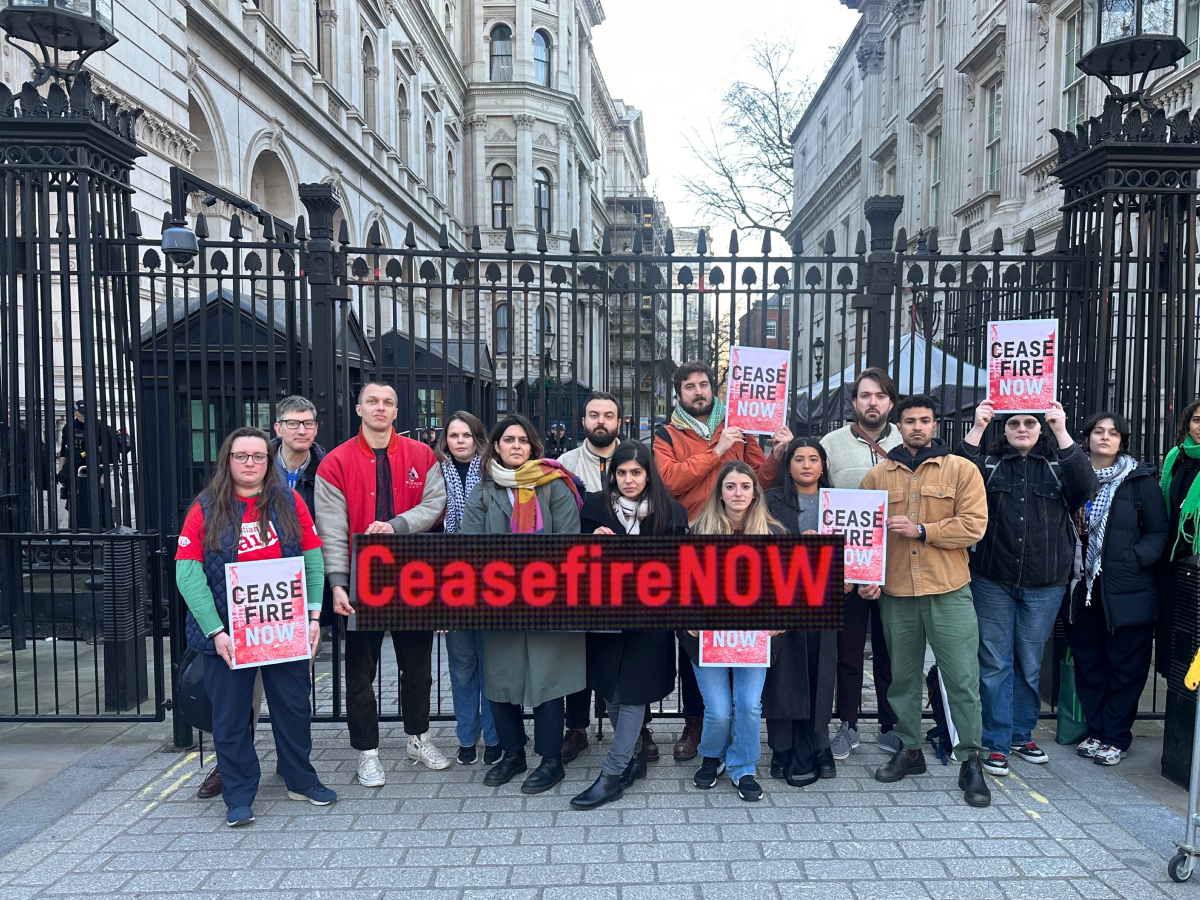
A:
<point x="259" y="458"/>
<point x="293" y="424"/>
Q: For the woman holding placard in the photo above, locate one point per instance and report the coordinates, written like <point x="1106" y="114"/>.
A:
<point x="732" y="694"/>
<point x="245" y="515"/>
<point x="629" y="669"/>
<point x="523" y="493"/>
<point x="1036" y="477"/>
<point x="798" y="697"/>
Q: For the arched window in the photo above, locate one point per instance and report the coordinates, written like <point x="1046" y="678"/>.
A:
<point x="451" y="183"/>
<point x="370" y="81"/>
<point x="541" y="200"/>
<point x="503" y="328"/>
<point x="502" y="53"/>
<point x="541" y="58"/>
<point x="502" y="197"/>
<point x="430" y="157"/>
<point x="403" y="118"/>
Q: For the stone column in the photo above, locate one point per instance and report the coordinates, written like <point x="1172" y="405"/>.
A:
<point x="561" y="203"/>
<point x="870" y="57"/>
<point x="1016" y="139"/>
<point x="563" y="75"/>
<point x="523" y="42"/>
<point x="480" y="214"/>
<point x="405" y="138"/>
<point x="524" y="173"/>
<point x="326" y="40"/>
<point x="908" y="141"/>
<point x="585" y="210"/>
<point x="585" y="76"/>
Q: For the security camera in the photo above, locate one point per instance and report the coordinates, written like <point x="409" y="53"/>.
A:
<point x="210" y="200"/>
<point x="179" y="244"/>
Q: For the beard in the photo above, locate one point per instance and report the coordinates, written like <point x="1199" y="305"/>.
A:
<point x="700" y="409"/>
<point x="872" y="418"/>
<point x="600" y="437"/>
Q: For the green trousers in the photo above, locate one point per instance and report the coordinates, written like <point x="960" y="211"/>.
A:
<point x="948" y="623"/>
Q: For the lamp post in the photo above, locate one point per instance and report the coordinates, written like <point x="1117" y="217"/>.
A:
<point x="818" y="353"/>
<point x="75" y="26"/>
<point x="1133" y="37"/>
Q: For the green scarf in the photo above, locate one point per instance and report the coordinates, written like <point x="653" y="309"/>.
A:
<point x="684" y="420"/>
<point x="1189" y="514"/>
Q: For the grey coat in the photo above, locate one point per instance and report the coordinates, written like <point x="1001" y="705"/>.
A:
<point x="528" y="667"/>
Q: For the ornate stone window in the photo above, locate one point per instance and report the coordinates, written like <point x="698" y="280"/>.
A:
<point x="502" y="197"/>
<point x="541" y="58"/>
<point x="502" y="53"/>
<point x="541" y="200"/>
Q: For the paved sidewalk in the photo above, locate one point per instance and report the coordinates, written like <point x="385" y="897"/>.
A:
<point x="1069" y="829"/>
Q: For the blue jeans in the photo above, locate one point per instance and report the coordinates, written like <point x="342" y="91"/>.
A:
<point x="1014" y="625"/>
<point x="472" y="712"/>
<point x="732" y="716"/>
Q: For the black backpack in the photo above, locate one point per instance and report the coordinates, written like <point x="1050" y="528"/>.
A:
<point x="939" y="736"/>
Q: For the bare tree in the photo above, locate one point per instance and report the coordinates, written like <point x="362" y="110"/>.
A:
<point x="747" y="155"/>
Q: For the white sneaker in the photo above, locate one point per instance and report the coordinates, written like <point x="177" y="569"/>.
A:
<point x="370" y="770"/>
<point x="1108" y="755"/>
<point x="1088" y="747"/>
<point x="421" y="750"/>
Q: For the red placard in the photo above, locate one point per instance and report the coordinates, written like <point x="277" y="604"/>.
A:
<point x="1022" y="365"/>
<point x="859" y="517"/>
<point x="267" y="617"/>
<point x="735" y="648"/>
<point x="756" y="399"/>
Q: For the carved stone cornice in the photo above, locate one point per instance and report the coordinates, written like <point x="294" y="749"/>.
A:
<point x="904" y="11"/>
<point x="870" y="56"/>
<point x="844" y="175"/>
<point x="151" y="131"/>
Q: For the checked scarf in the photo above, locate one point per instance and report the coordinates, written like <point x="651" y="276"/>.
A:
<point x="457" y="493"/>
<point x="523" y="483"/>
<point x="1097" y="514"/>
<point x="685" y="421"/>
<point x="1189" y="514"/>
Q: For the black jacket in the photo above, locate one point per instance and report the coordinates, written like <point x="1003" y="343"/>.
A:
<point x="636" y="667"/>
<point x="306" y="487"/>
<point x="1030" y="538"/>
<point x="1135" y="540"/>
<point x="784" y="506"/>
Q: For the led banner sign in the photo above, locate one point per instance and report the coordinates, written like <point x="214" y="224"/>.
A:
<point x="546" y="582"/>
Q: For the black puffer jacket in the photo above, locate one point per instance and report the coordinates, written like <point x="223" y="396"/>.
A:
<point x="1135" y="540"/>
<point x="1030" y="539"/>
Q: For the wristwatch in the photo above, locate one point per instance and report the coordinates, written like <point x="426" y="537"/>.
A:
<point x="921" y="533"/>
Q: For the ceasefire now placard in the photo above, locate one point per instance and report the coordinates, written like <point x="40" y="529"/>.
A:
<point x="859" y="517"/>
<point x="1022" y="365"/>
<point x="267" y="617"/>
<point x="756" y="398"/>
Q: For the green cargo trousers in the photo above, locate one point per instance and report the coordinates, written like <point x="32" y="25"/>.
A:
<point x="948" y="623"/>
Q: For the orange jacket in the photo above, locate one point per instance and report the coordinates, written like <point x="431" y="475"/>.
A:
<point x="689" y="464"/>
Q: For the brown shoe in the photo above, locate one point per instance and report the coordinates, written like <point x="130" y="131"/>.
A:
<point x="649" y="746"/>
<point x="689" y="742"/>
<point x="211" y="786"/>
<point x="575" y="741"/>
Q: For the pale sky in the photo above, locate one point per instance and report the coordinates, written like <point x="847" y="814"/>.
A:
<point x="673" y="59"/>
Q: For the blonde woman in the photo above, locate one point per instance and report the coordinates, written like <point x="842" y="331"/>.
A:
<point x="731" y="737"/>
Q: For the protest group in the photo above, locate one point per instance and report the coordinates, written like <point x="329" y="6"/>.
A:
<point x="971" y="551"/>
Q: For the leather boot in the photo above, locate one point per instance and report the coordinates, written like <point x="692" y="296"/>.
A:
<point x="904" y="762"/>
<point x="781" y="763"/>
<point x="648" y="742"/>
<point x="575" y="741"/>
<point x="510" y="766"/>
<point x="545" y="776"/>
<point x="689" y="742"/>
<point x="605" y="788"/>
<point x="972" y="783"/>
<point x="211" y="786"/>
<point x="635" y="770"/>
<point x="826" y="765"/>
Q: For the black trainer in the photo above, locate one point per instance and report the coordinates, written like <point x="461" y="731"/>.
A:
<point x="748" y="788"/>
<point x="467" y="756"/>
<point x="903" y="763"/>
<point x="708" y="773"/>
<point x="781" y="762"/>
<point x="492" y="754"/>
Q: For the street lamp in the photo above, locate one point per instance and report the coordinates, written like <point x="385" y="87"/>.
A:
<point x="1133" y="37"/>
<point x="818" y="353"/>
<point x="76" y="26"/>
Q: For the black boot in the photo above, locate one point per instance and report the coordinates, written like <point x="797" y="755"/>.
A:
<point x="826" y="766"/>
<point x="635" y="770"/>
<point x="904" y="762"/>
<point x="605" y="788"/>
<point x="781" y="762"/>
<point x="972" y="783"/>
<point x="510" y="766"/>
<point x="545" y="776"/>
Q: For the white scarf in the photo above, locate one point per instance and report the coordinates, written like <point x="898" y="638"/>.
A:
<point x="1097" y="511"/>
<point x="630" y="513"/>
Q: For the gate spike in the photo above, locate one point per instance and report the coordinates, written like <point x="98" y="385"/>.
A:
<point x="133" y="225"/>
<point x="410" y="236"/>
<point x="167" y="220"/>
<point x="964" y="241"/>
<point x="574" y="241"/>
<point x="606" y="243"/>
<point x="766" y="245"/>
<point x="476" y="239"/>
<point x="637" y="240"/>
<point x="235" y="227"/>
<point x="344" y="233"/>
<point x="798" y="243"/>
<point x="998" y="241"/>
<point x="201" y="226"/>
<point x="268" y="224"/>
<point x="301" y="231"/>
<point x="733" y="242"/>
<point x="1062" y="243"/>
<point x="701" y="242"/>
<point x="1030" y="244"/>
<point x="669" y="243"/>
<point x="830" y="247"/>
<point x="860" y="243"/>
<point x="931" y="241"/>
<point x="902" y="240"/>
<point x="374" y="238"/>
<point x="510" y="243"/>
<point x="542" y="246"/>
<point x="444" y="237"/>
<point x="64" y="225"/>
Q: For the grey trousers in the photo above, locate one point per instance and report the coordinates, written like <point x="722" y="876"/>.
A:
<point x="627" y="736"/>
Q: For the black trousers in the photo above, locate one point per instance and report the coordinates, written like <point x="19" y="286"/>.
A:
<point x="851" y="645"/>
<point x="414" y="659"/>
<point x="796" y="736"/>
<point x="1110" y="671"/>
<point x="689" y="691"/>
<point x="548" y="724"/>
<point x="579" y="709"/>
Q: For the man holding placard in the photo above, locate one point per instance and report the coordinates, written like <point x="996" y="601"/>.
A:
<point x="937" y="508"/>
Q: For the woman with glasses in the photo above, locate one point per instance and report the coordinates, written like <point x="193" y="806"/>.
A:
<point x="244" y="514"/>
<point x="1036" y="477"/>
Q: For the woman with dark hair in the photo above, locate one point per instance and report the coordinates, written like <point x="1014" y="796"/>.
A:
<point x="1036" y="477"/>
<point x="629" y="669"/>
<point x="246" y="513"/>
<point x="458" y="449"/>
<point x="1181" y="490"/>
<point x="797" y="699"/>
<point x="522" y="493"/>
<point x="1111" y="613"/>
<point x="730" y="738"/>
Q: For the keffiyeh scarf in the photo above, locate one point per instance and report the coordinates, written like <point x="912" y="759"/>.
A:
<point x="1098" y="508"/>
<point x="1189" y="514"/>
<point x="523" y="483"/>
<point x="684" y="420"/>
<point x="630" y="513"/>
<point x="457" y="493"/>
